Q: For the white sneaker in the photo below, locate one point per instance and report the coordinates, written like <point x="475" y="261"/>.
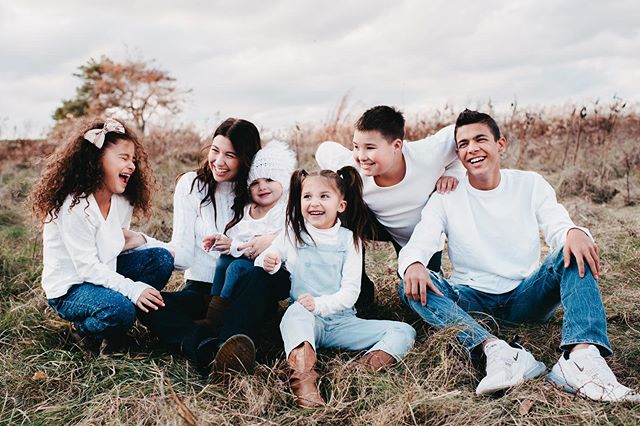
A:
<point x="507" y="366"/>
<point x="586" y="373"/>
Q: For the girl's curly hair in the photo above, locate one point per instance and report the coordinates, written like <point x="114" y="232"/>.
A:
<point x="75" y="169"/>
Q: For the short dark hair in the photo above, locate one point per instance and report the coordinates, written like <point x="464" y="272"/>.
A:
<point x="471" y="117"/>
<point x="384" y="119"/>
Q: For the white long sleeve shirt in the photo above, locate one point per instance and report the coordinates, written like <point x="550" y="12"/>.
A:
<point x="398" y="207"/>
<point x="493" y="236"/>
<point x="249" y="228"/>
<point x="80" y="245"/>
<point x="328" y="304"/>
<point x="193" y="221"/>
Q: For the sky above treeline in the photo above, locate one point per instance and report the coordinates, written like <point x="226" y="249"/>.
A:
<point x="283" y="62"/>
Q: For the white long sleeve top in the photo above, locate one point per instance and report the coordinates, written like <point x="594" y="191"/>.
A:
<point x="398" y="207"/>
<point x="80" y="245"/>
<point x="249" y="228"/>
<point x="193" y="221"/>
<point x="493" y="236"/>
<point x="284" y="246"/>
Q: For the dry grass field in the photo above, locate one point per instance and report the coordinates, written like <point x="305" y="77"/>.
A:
<point x="590" y="155"/>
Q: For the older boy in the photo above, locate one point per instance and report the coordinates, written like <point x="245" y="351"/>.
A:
<point x="492" y="222"/>
<point x="398" y="177"/>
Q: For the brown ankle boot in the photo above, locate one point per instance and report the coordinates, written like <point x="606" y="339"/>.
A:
<point x="217" y="306"/>
<point x="304" y="378"/>
<point x="376" y="361"/>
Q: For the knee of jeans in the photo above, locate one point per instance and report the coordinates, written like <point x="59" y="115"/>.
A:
<point x="121" y="314"/>
<point x="406" y="330"/>
<point x="165" y="260"/>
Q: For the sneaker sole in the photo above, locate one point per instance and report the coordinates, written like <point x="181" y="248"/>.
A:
<point x="536" y="371"/>
<point x="238" y="354"/>
<point x="559" y="382"/>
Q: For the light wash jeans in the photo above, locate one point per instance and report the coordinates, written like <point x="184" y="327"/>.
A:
<point x="98" y="311"/>
<point x="534" y="301"/>
<point x="344" y="330"/>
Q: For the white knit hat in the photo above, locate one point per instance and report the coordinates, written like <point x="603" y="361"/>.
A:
<point x="275" y="161"/>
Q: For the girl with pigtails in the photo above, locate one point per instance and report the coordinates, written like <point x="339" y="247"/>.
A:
<point x="89" y="191"/>
<point x="321" y="246"/>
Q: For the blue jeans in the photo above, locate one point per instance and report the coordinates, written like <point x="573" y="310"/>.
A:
<point x="100" y="312"/>
<point x="534" y="301"/>
<point x="228" y="272"/>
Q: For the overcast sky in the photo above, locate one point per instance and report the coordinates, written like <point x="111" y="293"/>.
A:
<point x="283" y="62"/>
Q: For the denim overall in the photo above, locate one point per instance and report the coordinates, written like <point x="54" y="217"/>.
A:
<point x="318" y="271"/>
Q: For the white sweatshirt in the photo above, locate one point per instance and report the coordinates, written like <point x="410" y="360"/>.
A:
<point x="249" y="228"/>
<point x="193" y="221"/>
<point x="81" y="245"/>
<point x="329" y="304"/>
<point x="494" y="236"/>
<point x="398" y="207"/>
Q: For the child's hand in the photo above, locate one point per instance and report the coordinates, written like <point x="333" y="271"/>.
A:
<point x="223" y="244"/>
<point x="257" y="245"/>
<point x="446" y="184"/>
<point x="307" y="301"/>
<point x="132" y="239"/>
<point x="209" y="241"/>
<point x="270" y="261"/>
<point x="150" y="298"/>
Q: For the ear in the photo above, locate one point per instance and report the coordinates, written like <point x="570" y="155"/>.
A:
<point x="342" y="206"/>
<point x="397" y="144"/>
<point x="502" y="143"/>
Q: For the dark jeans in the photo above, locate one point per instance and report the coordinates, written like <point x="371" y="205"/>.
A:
<point x="377" y="232"/>
<point x="250" y="300"/>
<point x="229" y="269"/>
<point x="99" y="311"/>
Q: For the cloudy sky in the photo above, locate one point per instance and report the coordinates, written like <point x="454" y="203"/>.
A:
<point x="284" y="62"/>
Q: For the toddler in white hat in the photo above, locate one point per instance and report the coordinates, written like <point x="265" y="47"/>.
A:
<point x="268" y="183"/>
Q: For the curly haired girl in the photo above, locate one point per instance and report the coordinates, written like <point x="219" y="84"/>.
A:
<point x="88" y="192"/>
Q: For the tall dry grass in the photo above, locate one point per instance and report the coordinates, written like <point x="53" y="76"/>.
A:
<point x="586" y="151"/>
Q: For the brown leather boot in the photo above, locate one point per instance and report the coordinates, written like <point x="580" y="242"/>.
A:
<point x="217" y="306"/>
<point x="376" y="361"/>
<point x="304" y="378"/>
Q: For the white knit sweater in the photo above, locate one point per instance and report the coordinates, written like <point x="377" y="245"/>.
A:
<point x="193" y="221"/>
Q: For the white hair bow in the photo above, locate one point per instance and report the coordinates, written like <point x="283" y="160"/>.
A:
<point x="96" y="136"/>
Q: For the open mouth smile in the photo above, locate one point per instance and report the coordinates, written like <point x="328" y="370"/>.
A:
<point x="477" y="160"/>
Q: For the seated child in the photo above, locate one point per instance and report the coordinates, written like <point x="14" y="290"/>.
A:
<point x="268" y="185"/>
<point x="325" y="262"/>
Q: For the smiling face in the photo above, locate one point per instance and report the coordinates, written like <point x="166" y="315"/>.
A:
<point x="479" y="152"/>
<point x="118" y="164"/>
<point x="223" y="160"/>
<point x="265" y="192"/>
<point x="321" y="202"/>
<point x="374" y="154"/>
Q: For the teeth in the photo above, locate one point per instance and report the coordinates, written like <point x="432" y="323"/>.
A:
<point x="476" y="160"/>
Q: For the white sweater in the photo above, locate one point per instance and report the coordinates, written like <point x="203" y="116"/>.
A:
<point x="249" y="228"/>
<point x="81" y="245"/>
<point x="344" y="298"/>
<point x="494" y="236"/>
<point x="398" y="207"/>
<point x="193" y="221"/>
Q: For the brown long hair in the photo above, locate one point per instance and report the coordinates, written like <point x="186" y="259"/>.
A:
<point x="348" y="183"/>
<point x="74" y="169"/>
<point x="245" y="138"/>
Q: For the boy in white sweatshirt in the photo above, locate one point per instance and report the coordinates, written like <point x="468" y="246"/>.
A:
<point x="398" y="177"/>
<point x="492" y="222"/>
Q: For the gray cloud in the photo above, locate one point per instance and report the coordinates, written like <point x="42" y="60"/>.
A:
<point x="286" y="61"/>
